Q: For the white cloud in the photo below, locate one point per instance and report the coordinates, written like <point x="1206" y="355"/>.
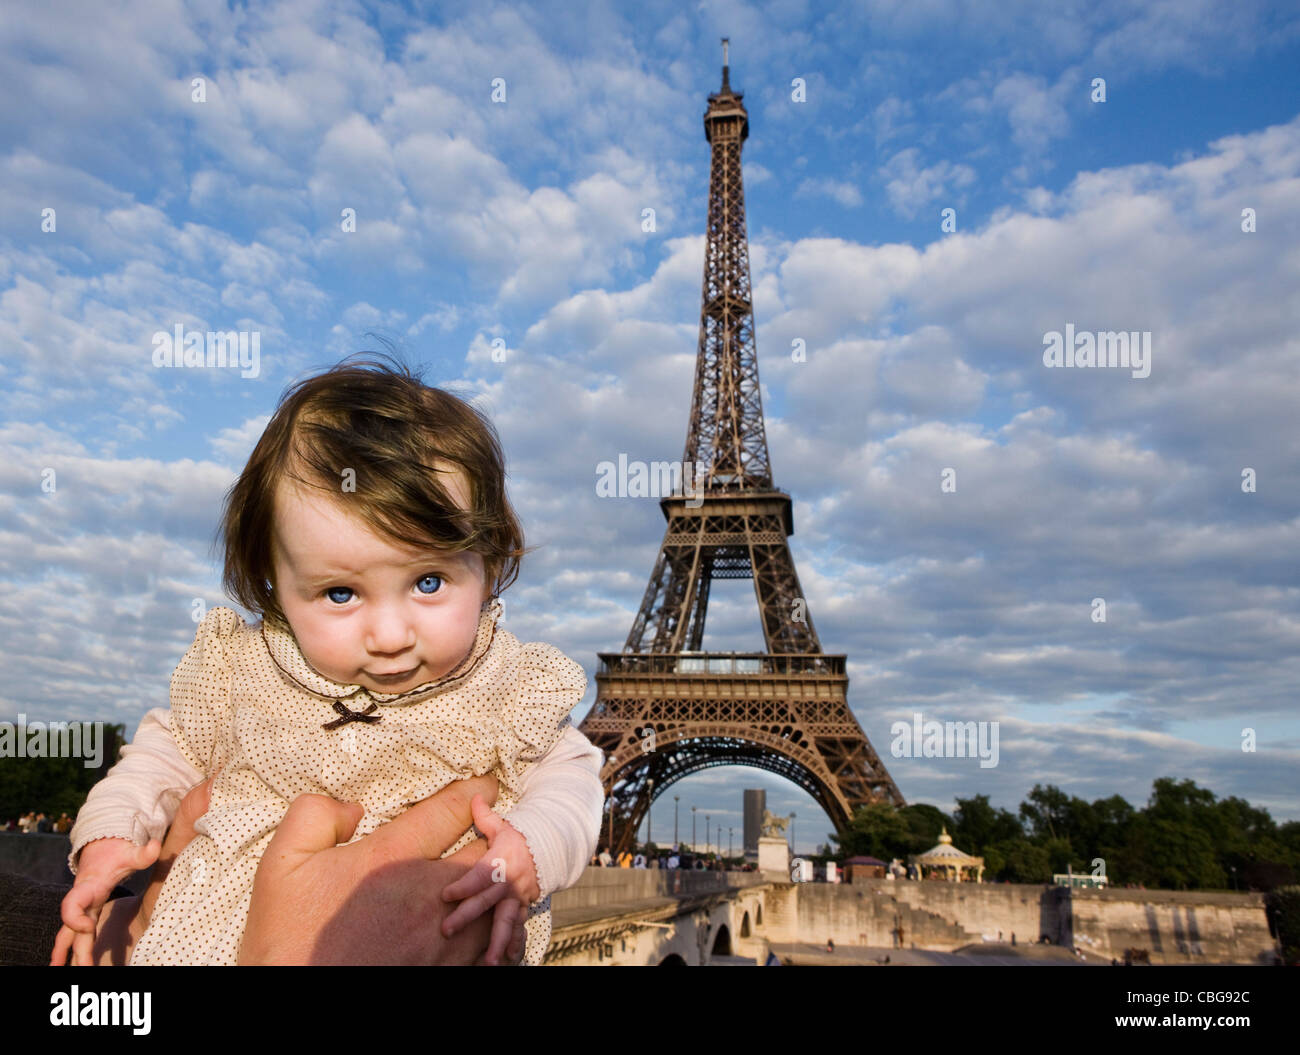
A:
<point x="838" y="190"/>
<point x="911" y="187"/>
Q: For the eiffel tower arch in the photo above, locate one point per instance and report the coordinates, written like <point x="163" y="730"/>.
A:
<point x="664" y="708"/>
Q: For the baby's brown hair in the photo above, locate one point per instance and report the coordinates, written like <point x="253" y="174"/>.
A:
<point x="370" y="414"/>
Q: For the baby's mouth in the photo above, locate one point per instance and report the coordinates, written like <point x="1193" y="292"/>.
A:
<point x="400" y="675"/>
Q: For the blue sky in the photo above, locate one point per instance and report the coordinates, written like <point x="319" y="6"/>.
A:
<point x="522" y="220"/>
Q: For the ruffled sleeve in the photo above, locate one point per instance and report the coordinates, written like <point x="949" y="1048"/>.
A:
<point x="560" y="811"/>
<point x="200" y="692"/>
<point x="138" y="798"/>
<point x="550" y="686"/>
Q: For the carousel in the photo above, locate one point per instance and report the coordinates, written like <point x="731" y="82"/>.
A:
<point x="945" y="861"/>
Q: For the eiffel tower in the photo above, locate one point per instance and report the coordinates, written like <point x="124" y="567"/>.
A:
<point x="664" y="709"/>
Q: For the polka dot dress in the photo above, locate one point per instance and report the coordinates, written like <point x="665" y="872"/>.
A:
<point x="246" y="701"/>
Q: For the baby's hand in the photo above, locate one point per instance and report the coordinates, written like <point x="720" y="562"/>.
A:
<point x="505" y="876"/>
<point x="103" y="864"/>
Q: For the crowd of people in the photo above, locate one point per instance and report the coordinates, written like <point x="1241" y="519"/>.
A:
<point x="33" y="821"/>
<point x="674" y="859"/>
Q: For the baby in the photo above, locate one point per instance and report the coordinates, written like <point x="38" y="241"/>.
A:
<point x="371" y="531"/>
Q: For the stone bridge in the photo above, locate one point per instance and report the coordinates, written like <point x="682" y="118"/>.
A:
<point x="619" y="916"/>
<point x="629" y="916"/>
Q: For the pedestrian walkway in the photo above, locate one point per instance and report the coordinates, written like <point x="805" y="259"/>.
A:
<point x="988" y="954"/>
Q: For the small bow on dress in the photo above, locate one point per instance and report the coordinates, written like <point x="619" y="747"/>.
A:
<point x="368" y="715"/>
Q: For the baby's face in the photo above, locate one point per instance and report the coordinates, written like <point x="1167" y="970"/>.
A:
<point x="366" y="611"/>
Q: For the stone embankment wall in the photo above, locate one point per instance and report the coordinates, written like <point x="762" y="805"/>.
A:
<point x="1172" y="926"/>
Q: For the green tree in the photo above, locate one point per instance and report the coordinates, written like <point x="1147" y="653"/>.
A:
<point x="994" y="863"/>
<point x="1114" y="817"/>
<point x="1046" y="812"/>
<point x="1023" y="862"/>
<point x="877" y="830"/>
<point x="53" y="785"/>
<point x="979" y="825"/>
<point x="924" y="824"/>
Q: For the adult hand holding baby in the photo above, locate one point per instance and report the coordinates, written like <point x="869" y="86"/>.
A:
<point x="375" y="901"/>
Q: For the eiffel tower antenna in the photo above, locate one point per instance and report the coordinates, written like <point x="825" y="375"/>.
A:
<point x="664" y="708"/>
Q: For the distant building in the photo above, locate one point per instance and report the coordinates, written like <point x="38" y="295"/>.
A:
<point x="1080" y="880"/>
<point x="862" y="867"/>
<point x="755" y="804"/>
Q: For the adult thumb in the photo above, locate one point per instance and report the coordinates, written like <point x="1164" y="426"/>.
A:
<point x="312" y="823"/>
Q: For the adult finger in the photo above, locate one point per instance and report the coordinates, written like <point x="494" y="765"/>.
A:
<point x="120" y="927"/>
<point x="193" y="806"/>
<point x="518" y="942"/>
<point x="428" y="828"/>
<point x="278" y="928"/>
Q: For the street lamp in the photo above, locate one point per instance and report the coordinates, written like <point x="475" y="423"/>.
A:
<point x="649" y="806"/>
<point x="794" y="847"/>
<point x="675" y="798"/>
<point x="731" y="834"/>
<point x="692" y="829"/>
<point x="708" y="835"/>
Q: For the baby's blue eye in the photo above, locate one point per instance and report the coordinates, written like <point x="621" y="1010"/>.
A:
<point x="330" y="593"/>
<point x="436" y="580"/>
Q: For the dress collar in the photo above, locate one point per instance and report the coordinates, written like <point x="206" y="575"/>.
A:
<point x="284" y="650"/>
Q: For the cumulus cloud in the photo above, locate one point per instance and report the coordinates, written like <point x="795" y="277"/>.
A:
<point x="912" y="187"/>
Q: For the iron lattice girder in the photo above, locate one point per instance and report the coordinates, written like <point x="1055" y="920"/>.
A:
<point x="784" y="710"/>
<point x="726" y="435"/>
<point x="784" y="713"/>
<point x="726" y="536"/>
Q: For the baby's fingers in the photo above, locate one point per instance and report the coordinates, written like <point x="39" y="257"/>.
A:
<point x="146" y="855"/>
<point x="62" y="946"/>
<point x="473" y="907"/>
<point x="477" y="879"/>
<point x="83" y="949"/>
<point x="503" y="927"/>
<point x="76" y="908"/>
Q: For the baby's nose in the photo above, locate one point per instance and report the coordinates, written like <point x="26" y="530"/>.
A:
<point x="388" y="634"/>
